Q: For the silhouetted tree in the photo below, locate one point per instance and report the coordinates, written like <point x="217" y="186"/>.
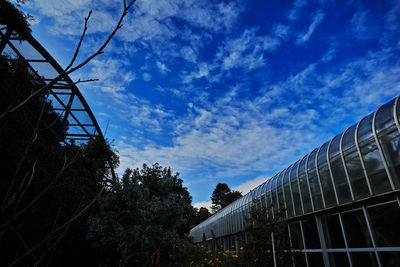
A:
<point x="222" y="196"/>
<point x="147" y="211"/>
<point x="200" y="215"/>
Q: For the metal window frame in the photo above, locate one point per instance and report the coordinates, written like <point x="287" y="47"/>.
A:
<point x="308" y="181"/>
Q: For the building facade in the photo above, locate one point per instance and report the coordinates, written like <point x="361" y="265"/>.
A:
<point x="342" y="199"/>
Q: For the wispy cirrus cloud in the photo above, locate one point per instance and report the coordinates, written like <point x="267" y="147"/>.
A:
<point x="316" y="20"/>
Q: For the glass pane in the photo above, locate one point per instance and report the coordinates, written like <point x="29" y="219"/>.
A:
<point x="334" y="238"/>
<point x="385" y="223"/>
<point x="325" y="176"/>
<point x="311" y="233"/>
<point x="348" y="138"/>
<point x="288" y="198"/>
<point x="339" y="175"/>
<point x="340" y="259"/>
<point x="390" y="258"/>
<point x="305" y="193"/>
<point x="299" y="259"/>
<point x="313" y="180"/>
<point x="390" y="143"/>
<point x="315" y="259"/>
<point x="280" y="192"/>
<point x="363" y="259"/>
<point x="295" y="189"/>
<point x="365" y="128"/>
<point x="356" y="229"/>
<point x="375" y="168"/>
<point x="356" y="173"/>
<point x="384" y="117"/>
<point x="273" y="194"/>
<point x="295" y="234"/>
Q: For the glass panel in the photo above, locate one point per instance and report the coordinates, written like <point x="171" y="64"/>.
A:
<point x="288" y="195"/>
<point x="315" y="259"/>
<point x="273" y="194"/>
<point x="339" y="175"/>
<point x="390" y="143"/>
<point x="325" y="176"/>
<point x="384" y="117"/>
<point x="348" y="138"/>
<point x="313" y="180"/>
<point x="295" y="189"/>
<point x="375" y="168"/>
<point x="363" y="259"/>
<point x="280" y="191"/>
<point x="340" y="259"/>
<point x="385" y="223"/>
<point x="354" y="167"/>
<point x="365" y="128"/>
<point x="268" y="198"/>
<point x="334" y="237"/>
<point x="299" y="259"/>
<point x="356" y="229"/>
<point x="305" y="193"/>
<point x="390" y="258"/>
<point x="389" y="138"/>
<point x="311" y="233"/>
<point x="295" y="234"/>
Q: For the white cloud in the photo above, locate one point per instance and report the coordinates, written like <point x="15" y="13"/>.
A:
<point x="294" y="12"/>
<point x="246" y="51"/>
<point x="317" y="19"/>
<point x="250" y="184"/>
<point x="147" y="76"/>
<point x="162" y="67"/>
<point x="329" y="55"/>
<point x="204" y="204"/>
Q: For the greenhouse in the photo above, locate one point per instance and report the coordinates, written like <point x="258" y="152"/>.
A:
<point x="342" y="199"/>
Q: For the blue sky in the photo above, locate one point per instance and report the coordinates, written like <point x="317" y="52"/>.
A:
<point x="227" y="91"/>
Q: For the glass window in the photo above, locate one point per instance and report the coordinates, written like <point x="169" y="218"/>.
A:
<point x="288" y="195"/>
<point x="388" y="136"/>
<point x="339" y="175"/>
<point x="390" y="258"/>
<point x="363" y="259"/>
<point x="311" y="233"/>
<point x="295" y="189"/>
<point x="325" y="177"/>
<point x="353" y="165"/>
<point x="385" y="224"/>
<point x="305" y="193"/>
<point x="315" y="259"/>
<point x="390" y="143"/>
<point x="334" y="237"/>
<point x="268" y="197"/>
<point x="372" y="159"/>
<point x="300" y="259"/>
<point x="273" y="194"/>
<point x="313" y="180"/>
<point x="280" y="191"/>
<point x="356" y="229"/>
<point x="295" y="235"/>
<point x="384" y="117"/>
<point x="340" y="259"/>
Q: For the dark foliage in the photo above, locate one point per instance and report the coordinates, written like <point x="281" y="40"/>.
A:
<point x="12" y="17"/>
<point x="147" y="211"/>
<point x="200" y="215"/>
<point x="47" y="188"/>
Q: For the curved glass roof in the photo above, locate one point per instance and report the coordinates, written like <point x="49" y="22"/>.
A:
<point x="64" y="94"/>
